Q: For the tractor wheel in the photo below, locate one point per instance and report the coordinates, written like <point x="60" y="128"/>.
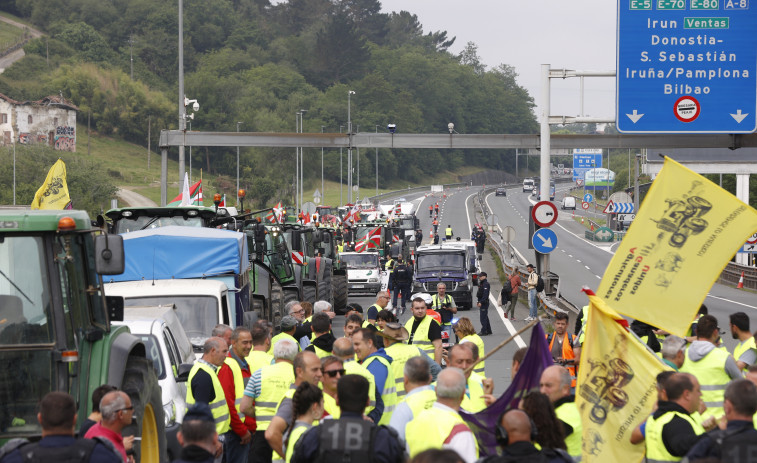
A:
<point x="277" y="303"/>
<point x="324" y="286"/>
<point x="309" y="294"/>
<point x="339" y="291"/>
<point x="142" y="386"/>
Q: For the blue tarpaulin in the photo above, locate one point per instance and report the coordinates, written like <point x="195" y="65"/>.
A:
<point x="182" y="252"/>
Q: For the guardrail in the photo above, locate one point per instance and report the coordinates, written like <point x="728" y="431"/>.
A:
<point x="732" y="273"/>
<point x="374" y="199"/>
<point x="511" y="264"/>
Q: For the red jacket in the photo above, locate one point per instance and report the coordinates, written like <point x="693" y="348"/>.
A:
<point x="226" y="377"/>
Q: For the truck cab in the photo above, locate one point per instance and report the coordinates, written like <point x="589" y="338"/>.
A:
<point x="363" y="272"/>
<point x="452" y="263"/>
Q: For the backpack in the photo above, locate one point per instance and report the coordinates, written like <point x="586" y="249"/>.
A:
<point x="540" y="285"/>
<point x="507" y="288"/>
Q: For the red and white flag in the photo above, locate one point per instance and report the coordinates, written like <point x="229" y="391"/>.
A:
<point x="371" y="241"/>
<point x="223" y="201"/>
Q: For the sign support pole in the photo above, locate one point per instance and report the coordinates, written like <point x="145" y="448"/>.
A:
<point x="545" y="151"/>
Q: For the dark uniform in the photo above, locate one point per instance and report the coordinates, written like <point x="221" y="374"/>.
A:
<point x="483" y="298"/>
<point x="418" y="237"/>
<point x="402" y="280"/>
<point x="350" y="438"/>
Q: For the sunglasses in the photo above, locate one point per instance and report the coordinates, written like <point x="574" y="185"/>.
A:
<point x="333" y="373"/>
<point x="125" y="409"/>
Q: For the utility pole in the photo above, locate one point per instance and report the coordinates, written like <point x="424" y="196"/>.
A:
<point x="377" y="166"/>
<point x="323" y="190"/>
<point x="237" y="160"/>
<point x="182" y="108"/>
<point x="341" y="171"/>
<point x="131" y="55"/>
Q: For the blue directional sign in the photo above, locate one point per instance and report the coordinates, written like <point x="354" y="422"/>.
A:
<point x="687" y="66"/>
<point x="618" y="208"/>
<point x="585" y="159"/>
<point x="588" y="198"/>
<point x="544" y="240"/>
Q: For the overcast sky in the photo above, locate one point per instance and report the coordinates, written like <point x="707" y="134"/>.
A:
<point x="570" y="34"/>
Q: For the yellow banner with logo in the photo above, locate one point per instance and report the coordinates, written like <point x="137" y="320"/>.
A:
<point x="684" y="234"/>
<point x="53" y="194"/>
<point x="616" y="387"/>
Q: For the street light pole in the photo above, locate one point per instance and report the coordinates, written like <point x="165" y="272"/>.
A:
<point x="297" y="165"/>
<point x="190" y="158"/>
<point x="237" y="159"/>
<point x="341" y="171"/>
<point x="323" y="193"/>
<point x="377" y="165"/>
<point x="302" y="158"/>
<point x="182" y="108"/>
<point x="349" y="147"/>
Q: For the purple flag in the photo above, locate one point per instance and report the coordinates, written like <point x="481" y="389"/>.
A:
<point x="526" y="380"/>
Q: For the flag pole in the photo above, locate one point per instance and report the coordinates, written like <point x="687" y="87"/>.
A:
<point x="504" y="343"/>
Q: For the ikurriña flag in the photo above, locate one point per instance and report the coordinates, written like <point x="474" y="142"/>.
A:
<point x="684" y="234"/>
<point x="616" y="389"/>
<point x="526" y="380"/>
<point x="53" y="194"/>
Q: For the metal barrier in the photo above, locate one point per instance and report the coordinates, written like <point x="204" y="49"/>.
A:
<point x="732" y="273"/>
<point x="374" y="199"/>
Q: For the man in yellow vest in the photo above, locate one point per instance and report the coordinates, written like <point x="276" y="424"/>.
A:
<point x="420" y="395"/>
<point x="263" y="393"/>
<point x="345" y="351"/>
<point x="389" y="265"/>
<point x="352" y="323"/>
<point x="203" y="384"/>
<point x="233" y="376"/>
<point x="477" y="388"/>
<point x="441" y="425"/>
<point x="713" y="367"/>
<point x="555" y="383"/>
<point x="745" y="352"/>
<point x="333" y="370"/>
<point x="448" y="232"/>
<point x="671" y="432"/>
<point x="517" y="441"/>
<point x="424" y="331"/>
<point x="444" y="304"/>
<point x="394" y="336"/>
<point x="673" y="351"/>
<point x="288" y="328"/>
<point x="307" y="368"/>
<point x="323" y="341"/>
<point x="379" y="364"/>
<point x="261" y="342"/>
<point x="382" y="300"/>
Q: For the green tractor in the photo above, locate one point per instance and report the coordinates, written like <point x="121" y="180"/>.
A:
<point x="55" y="331"/>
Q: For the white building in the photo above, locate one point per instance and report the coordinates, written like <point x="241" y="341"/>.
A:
<point x="51" y="120"/>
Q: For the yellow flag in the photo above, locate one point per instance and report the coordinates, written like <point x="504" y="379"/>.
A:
<point x="684" y="234"/>
<point x="53" y="194"/>
<point x="616" y="386"/>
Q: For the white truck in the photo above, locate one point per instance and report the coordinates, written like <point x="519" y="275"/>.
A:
<point x="200" y="304"/>
<point x="363" y="272"/>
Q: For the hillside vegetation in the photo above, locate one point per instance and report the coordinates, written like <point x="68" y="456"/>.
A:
<point x="257" y="63"/>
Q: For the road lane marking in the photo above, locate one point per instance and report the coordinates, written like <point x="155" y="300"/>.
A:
<point x="731" y="301"/>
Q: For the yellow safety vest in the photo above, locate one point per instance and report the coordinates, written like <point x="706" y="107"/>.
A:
<point x="420" y="400"/>
<point x="473" y="402"/>
<point x="743" y="347"/>
<point x="275" y="381"/>
<point x="236" y="372"/>
<point x="289" y="394"/>
<point x="400" y="354"/>
<point x="320" y="352"/>
<point x="389" y="394"/>
<point x="656" y="451"/>
<point x="366" y="324"/>
<point x="281" y="336"/>
<point x="476" y="339"/>
<point x="329" y="404"/>
<point x="568" y="412"/>
<point x="300" y="428"/>
<point x="420" y="337"/>
<point x="710" y="371"/>
<point x="448" y="232"/>
<point x="430" y="429"/>
<point x="389" y="264"/>
<point x="436" y="303"/>
<point x="351" y="367"/>
<point x="218" y="407"/>
<point x="258" y="359"/>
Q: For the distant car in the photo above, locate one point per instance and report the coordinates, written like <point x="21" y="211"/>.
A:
<point x="568" y="202"/>
<point x="501" y="191"/>
<point x="528" y="185"/>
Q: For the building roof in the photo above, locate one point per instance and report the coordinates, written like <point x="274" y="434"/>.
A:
<point x="52" y="100"/>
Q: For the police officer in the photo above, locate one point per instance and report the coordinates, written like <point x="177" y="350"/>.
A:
<point x="402" y="277"/>
<point x="482" y="295"/>
<point x="350" y="438"/>
<point x="418" y="237"/>
<point x="448" y="232"/>
<point x="445" y="305"/>
<point x="436" y="238"/>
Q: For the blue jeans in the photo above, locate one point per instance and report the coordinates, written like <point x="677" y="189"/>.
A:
<point x="532" y="312"/>
<point x="233" y="450"/>
<point x="484" y="315"/>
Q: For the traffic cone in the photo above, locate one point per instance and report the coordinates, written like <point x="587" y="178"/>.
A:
<point x="592" y="227"/>
<point x="431" y="233"/>
<point x="741" y="282"/>
<point x="582" y="220"/>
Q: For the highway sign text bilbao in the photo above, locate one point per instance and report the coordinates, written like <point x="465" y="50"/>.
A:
<point x="544" y="240"/>
<point x="618" y="208"/>
<point x="687" y="66"/>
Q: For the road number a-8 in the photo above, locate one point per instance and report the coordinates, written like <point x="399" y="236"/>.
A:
<point x="736" y="4"/>
<point x="641" y="4"/>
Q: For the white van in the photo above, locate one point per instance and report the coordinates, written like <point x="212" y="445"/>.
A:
<point x="200" y="304"/>
<point x="569" y="202"/>
<point x="528" y="185"/>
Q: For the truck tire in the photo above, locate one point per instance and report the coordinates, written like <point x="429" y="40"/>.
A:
<point x="142" y="386"/>
<point x="339" y="291"/>
<point x="310" y="293"/>
<point x="324" y="286"/>
<point x="277" y="303"/>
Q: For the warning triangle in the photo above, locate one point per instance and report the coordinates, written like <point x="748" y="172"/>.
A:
<point x="610" y="208"/>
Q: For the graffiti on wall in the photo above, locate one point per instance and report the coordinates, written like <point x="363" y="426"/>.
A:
<point x="65" y="138"/>
<point x="24" y="138"/>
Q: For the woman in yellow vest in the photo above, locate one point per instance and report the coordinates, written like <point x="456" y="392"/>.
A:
<point x="467" y="333"/>
<point x="307" y="408"/>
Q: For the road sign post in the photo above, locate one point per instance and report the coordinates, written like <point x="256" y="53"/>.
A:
<point x="544" y="240"/>
<point x="686" y="66"/>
